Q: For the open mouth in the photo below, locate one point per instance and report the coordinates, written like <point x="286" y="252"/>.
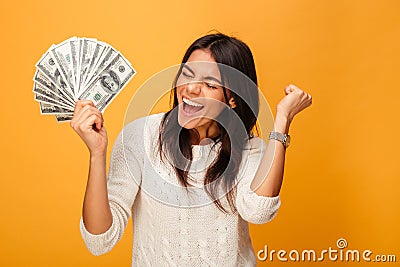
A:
<point x="191" y="107"/>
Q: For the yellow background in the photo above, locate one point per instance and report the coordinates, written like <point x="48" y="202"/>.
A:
<point x="342" y="173"/>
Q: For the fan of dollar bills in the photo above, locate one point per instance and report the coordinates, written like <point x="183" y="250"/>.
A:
<point x="77" y="69"/>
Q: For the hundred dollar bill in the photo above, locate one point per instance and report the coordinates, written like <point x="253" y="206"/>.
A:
<point x="45" y="95"/>
<point x="43" y="99"/>
<point x="98" y="51"/>
<point x="63" y="118"/>
<point x="48" y="66"/>
<point x="109" y="82"/>
<point x="93" y="68"/>
<point x="108" y="56"/>
<point x="62" y="55"/>
<point x="41" y="78"/>
<point x="88" y="47"/>
<point x="50" y="109"/>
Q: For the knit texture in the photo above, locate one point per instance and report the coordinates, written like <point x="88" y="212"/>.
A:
<point x="174" y="226"/>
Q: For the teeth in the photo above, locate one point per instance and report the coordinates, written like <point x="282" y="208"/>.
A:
<point x="190" y="102"/>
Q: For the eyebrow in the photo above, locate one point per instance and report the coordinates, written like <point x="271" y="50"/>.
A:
<point x="207" y="78"/>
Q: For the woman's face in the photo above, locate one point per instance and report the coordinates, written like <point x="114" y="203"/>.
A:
<point x="199" y="91"/>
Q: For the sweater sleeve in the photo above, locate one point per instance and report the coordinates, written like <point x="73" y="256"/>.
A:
<point x="123" y="180"/>
<point x="252" y="207"/>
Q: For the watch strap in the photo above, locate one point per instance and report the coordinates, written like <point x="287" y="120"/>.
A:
<point x="283" y="138"/>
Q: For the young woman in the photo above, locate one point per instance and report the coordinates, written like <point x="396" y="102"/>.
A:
<point x="194" y="177"/>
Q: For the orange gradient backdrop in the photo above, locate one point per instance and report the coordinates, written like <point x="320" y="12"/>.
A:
<point x="342" y="173"/>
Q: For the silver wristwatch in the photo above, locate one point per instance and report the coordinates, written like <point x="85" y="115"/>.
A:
<point x="283" y="138"/>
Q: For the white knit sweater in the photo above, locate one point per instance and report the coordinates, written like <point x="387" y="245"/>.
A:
<point x="174" y="227"/>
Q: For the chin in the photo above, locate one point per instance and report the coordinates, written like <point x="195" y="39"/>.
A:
<point x="187" y="123"/>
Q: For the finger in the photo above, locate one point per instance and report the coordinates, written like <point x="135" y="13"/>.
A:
<point x="308" y="101"/>
<point x="96" y="121"/>
<point x="296" y="88"/>
<point x="87" y="112"/>
<point x="78" y="114"/>
<point x="287" y="90"/>
<point x="291" y="88"/>
<point x="99" y="123"/>
<point x="87" y="126"/>
<point x="90" y="123"/>
<point x="82" y="117"/>
<point x="82" y="103"/>
<point x="88" y="106"/>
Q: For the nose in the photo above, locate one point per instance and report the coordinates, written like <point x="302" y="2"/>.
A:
<point x="194" y="88"/>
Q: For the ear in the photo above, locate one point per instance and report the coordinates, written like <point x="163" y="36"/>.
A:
<point x="232" y="102"/>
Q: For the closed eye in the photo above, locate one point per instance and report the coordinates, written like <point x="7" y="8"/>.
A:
<point x="187" y="75"/>
<point x="212" y="85"/>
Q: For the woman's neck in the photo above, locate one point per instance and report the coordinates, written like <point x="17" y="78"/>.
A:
<point x="204" y="132"/>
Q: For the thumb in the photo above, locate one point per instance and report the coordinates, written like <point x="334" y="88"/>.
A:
<point x="290" y="88"/>
<point x="98" y="125"/>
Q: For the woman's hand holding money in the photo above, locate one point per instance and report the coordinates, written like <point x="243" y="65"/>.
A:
<point x="88" y="123"/>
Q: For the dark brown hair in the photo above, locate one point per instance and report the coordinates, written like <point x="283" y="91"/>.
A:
<point x="232" y="54"/>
